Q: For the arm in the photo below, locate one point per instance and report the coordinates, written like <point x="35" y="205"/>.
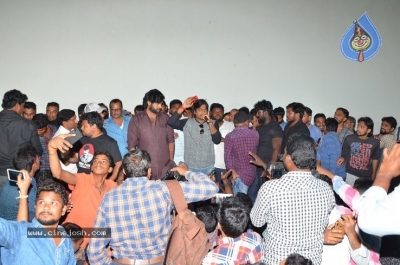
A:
<point x="171" y="149"/>
<point x="276" y="146"/>
<point x="171" y="142"/>
<point x="199" y="186"/>
<point x="55" y="144"/>
<point x="215" y="134"/>
<point x="258" y="214"/>
<point x="374" y="168"/>
<point x="133" y="137"/>
<point x="229" y="163"/>
<point x="347" y="193"/>
<point x="23" y="185"/>
<point x="225" y="181"/>
<point x="34" y="139"/>
<point x="115" y="170"/>
<point x="96" y="250"/>
<point x="358" y="252"/>
<point x="175" y="123"/>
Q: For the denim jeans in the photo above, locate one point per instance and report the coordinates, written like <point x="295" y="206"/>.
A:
<point x="239" y="186"/>
<point x="253" y="189"/>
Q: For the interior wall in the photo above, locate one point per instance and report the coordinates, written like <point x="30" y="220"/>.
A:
<point x="232" y="52"/>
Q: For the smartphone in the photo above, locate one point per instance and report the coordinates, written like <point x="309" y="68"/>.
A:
<point x="195" y="98"/>
<point x="277" y="169"/>
<point x="13" y="175"/>
<point x="74" y="139"/>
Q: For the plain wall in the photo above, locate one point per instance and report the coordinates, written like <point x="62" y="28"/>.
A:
<point x="232" y="52"/>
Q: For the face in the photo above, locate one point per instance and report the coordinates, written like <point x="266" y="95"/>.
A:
<point x="260" y="116"/>
<point x="87" y="129"/>
<point x="51" y="113"/>
<point x="116" y="110"/>
<point x="306" y="118"/>
<point x="201" y="112"/>
<point x="49" y="208"/>
<point x="71" y="123"/>
<point x="217" y="114"/>
<point x="349" y="125"/>
<point x="279" y="119"/>
<point x="339" y="116"/>
<point x="164" y="108"/>
<point x="28" y="113"/>
<point x="41" y="131"/>
<point x="362" y="129"/>
<point x="101" y="165"/>
<point x="320" y="123"/>
<point x="233" y="113"/>
<point x="174" y="108"/>
<point x="361" y="42"/>
<point x="290" y="115"/>
<point x="386" y="128"/>
<point x="154" y="107"/>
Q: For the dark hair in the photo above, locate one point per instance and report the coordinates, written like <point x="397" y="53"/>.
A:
<point x="65" y="115"/>
<point x="362" y="184"/>
<point x="245" y="199"/>
<point x="56" y="187"/>
<point x="74" y="230"/>
<point x="136" y="163"/>
<point x="12" y="98"/>
<point x="279" y="111"/>
<point x="308" y="111"/>
<point x="297" y="259"/>
<point x="319" y="115"/>
<point x="369" y="123"/>
<point x="81" y="108"/>
<point x="93" y="118"/>
<point x="25" y="157"/>
<point x="392" y="121"/>
<point x="264" y="105"/>
<point x="107" y="154"/>
<point x="44" y="175"/>
<point x="325" y="178"/>
<point x="345" y="112"/>
<point x="233" y="217"/>
<point x="116" y="100"/>
<point x="301" y="149"/>
<point x="207" y="215"/>
<point x="216" y="106"/>
<point x="352" y="119"/>
<point x="40" y="120"/>
<point x="175" y="101"/>
<point x="29" y="105"/>
<point x="226" y="113"/>
<point x="253" y="112"/>
<point x="245" y="110"/>
<point x="53" y="104"/>
<point x="331" y="125"/>
<point x="297" y="108"/>
<point x="139" y="108"/>
<point x="154" y="96"/>
<point x="199" y="103"/>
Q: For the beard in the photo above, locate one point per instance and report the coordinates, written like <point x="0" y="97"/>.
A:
<point x="47" y="222"/>
<point x="155" y="111"/>
<point x="383" y="132"/>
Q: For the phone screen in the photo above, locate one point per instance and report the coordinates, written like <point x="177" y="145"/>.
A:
<point x="74" y="139"/>
<point x="277" y="169"/>
<point x="13" y="174"/>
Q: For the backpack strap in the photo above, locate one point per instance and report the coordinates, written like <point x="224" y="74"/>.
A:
<point x="178" y="198"/>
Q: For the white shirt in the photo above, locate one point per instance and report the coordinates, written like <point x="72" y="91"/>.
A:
<point x="226" y="128"/>
<point x="341" y="253"/>
<point x="296" y="209"/>
<point x="378" y="212"/>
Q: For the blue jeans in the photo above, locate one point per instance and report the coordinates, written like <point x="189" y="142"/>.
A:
<point x="253" y="189"/>
<point x="204" y="171"/>
<point x="239" y="186"/>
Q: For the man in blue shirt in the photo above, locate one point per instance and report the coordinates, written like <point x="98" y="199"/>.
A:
<point x="117" y="126"/>
<point x="315" y="132"/>
<point x="37" y="242"/>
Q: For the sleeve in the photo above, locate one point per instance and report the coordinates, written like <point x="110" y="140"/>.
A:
<point x="96" y="250"/>
<point x="133" y="137"/>
<point x="261" y="207"/>
<point x="276" y="132"/>
<point x="199" y="187"/>
<point x="216" y="137"/>
<point x="376" y="153"/>
<point x="360" y="256"/>
<point x="35" y="141"/>
<point x="228" y="152"/>
<point x="331" y="149"/>
<point x="346" y="149"/>
<point x="170" y="135"/>
<point x="348" y="194"/>
<point x="175" y="123"/>
<point x="114" y="150"/>
<point x="8" y="233"/>
<point x="375" y="213"/>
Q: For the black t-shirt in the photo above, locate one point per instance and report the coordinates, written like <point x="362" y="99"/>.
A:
<point x="267" y="133"/>
<point x="299" y="128"/>
<point x="359" y="155"/>
<point x="87" y="147"/>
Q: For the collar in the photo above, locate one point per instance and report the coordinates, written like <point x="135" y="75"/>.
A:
<point x="92" y="180"/>
<point x="297" y="174"/>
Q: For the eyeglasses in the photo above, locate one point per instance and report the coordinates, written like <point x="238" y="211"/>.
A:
<point x="202" y="128"/>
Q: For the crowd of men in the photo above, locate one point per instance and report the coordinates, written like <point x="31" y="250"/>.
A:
<point x="300" y="192"/>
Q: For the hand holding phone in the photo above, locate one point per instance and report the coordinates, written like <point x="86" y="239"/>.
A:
<point x="13" y="174"/>
<point x="75" y="138"/>
<point x="277" y="169"/>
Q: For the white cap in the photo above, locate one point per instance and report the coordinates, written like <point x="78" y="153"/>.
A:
<point x="93" y="107"/>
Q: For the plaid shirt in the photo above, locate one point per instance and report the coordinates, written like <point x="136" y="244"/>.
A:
<point x="296" y="208"/>
<point x="351" y="197"/>
<point x="238" y="143"/>
<point x="138" y="213"/>
<point x="248" y="248"/>
<point x="44" y="141"/>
